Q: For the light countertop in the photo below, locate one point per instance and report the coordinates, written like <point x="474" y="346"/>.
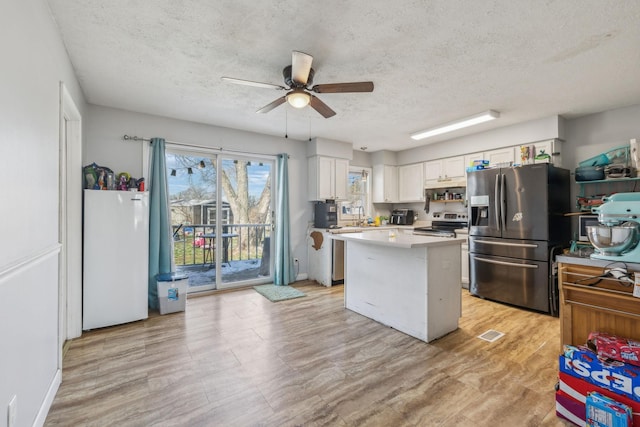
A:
<point x="351" y="229"/>
<point x="593" y="262"/>
<point x="397" y="239"/>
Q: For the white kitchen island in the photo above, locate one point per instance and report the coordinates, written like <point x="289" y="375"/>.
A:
<point x="410" y="283"/>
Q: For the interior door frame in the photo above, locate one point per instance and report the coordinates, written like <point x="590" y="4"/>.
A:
<point x="69" y="221"/>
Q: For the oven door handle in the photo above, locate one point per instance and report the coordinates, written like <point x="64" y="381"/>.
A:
<point x="510" y="264"/>
<point x="515" y="245"/>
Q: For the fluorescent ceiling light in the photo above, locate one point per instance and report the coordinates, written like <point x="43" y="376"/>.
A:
<point x="457" y="124"/>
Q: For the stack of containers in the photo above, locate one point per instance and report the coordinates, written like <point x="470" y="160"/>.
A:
<point x="599" y="383"/>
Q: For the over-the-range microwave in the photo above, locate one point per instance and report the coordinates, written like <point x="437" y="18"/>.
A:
<point x="583" y="222"/>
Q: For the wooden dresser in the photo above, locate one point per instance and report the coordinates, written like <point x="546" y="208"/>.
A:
<point x="589" y="302"/>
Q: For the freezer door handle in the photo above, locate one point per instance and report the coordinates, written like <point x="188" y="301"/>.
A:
<point x="517" y="245"/>
<point x="496" y="201"/>
<point x="503" y="203"/>
<point x="510" y="264"/>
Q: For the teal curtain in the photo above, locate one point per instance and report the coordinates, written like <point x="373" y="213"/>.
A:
<point x="159" y="222"/>
<point x="284" y="272"/>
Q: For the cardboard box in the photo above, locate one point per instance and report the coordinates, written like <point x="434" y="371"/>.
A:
<point x="615" y="347"/>
<point x="618" y="377"/>
<point x="570" y="409"/>
<point x="572" y="394"/>
<point x="603" y="411"/>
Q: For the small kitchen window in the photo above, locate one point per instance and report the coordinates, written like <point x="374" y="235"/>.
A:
<point x="357" y="206"/>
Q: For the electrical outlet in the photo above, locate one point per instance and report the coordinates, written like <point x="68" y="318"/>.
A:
<point x="12" y="412"/>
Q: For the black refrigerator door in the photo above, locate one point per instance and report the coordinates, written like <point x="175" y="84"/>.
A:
<point x="484" y="206"/>
<point x="525" y="202"/>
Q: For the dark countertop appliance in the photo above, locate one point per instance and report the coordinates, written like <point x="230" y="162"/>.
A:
<point x="325" y="214"/>
<point x="402" y="217"/>
<point x="516" y="226"/>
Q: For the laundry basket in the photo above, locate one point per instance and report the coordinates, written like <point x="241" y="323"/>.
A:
<point x="172" y="292"/>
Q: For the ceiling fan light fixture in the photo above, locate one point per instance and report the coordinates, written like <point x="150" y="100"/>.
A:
<point x="298" y="98"/>
<point x="456" y="124"/>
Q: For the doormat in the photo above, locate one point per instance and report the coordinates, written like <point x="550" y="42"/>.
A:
<point x="276" y="293"/>
<point x="491" y="335"/>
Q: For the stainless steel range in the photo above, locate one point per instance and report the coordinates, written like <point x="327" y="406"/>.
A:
<point x="444" y="224"/>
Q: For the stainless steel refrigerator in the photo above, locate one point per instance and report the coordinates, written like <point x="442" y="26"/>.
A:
<point x="516" y="226"/>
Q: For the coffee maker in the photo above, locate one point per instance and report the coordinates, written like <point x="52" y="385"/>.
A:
<point x="325" y="214"/>
<point x="402" y="217"/>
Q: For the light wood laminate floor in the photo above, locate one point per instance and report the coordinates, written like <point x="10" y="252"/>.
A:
<point x="237" y="359"/>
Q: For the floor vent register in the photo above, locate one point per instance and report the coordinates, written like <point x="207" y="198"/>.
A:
<point x="491" y="335"/>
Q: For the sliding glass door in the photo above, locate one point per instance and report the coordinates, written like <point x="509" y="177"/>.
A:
<point x="221" y="209"/>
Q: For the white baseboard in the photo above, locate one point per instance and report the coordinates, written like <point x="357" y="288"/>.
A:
<point x="48" y="399"/>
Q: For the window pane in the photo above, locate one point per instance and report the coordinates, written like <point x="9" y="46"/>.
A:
<point x="357" y="202"/>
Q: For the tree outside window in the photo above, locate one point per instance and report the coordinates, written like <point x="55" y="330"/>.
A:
<point x="358" y="203"/>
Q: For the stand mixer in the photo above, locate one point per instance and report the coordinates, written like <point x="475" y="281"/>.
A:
<point x="617" y="237"/>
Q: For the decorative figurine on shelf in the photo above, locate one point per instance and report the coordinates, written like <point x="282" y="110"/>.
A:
<point x="101" y="180"/>
<point x="123" y="184"/>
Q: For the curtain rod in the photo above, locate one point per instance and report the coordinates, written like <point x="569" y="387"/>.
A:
<point x="184" y="144"/>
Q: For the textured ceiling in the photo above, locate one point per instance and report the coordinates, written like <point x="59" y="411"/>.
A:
<point x="431" y="61"/>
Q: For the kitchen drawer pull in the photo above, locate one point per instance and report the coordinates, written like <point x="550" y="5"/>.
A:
<point x="510" y="264"/>
<point x="518" y="245"/>
<point x="598" y="307"/>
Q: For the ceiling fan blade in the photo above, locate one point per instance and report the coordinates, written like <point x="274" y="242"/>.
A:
<point x="272" y="105"/>
<point x="321" y="107"/>
<point x="300" y="67"/>
<point x="252" y="83"/>
<point x="344" y="87"/>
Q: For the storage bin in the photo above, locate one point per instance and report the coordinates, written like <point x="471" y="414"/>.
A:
<point x="172" y="292"/>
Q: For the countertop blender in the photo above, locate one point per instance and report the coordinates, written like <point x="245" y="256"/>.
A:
<point x="617" y="236"/>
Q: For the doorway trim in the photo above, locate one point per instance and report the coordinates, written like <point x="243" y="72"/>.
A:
<point x="70" y="221"/>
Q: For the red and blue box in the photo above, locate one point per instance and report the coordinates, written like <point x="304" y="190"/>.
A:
<point x="571" y="399"/>
<point x="618" y="377"/>
<point x="615" y="347"/>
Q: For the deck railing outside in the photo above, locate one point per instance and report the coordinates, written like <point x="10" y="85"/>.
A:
<point x="193" y="243"/>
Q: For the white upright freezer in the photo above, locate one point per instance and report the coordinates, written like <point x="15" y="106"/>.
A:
<point x="115" y="257"/>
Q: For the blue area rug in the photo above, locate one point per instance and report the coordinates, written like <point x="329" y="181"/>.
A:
<point x="278" y="293"/>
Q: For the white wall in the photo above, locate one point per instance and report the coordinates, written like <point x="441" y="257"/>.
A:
<point x="34" y="62"/>
<point x="105" y="127"/>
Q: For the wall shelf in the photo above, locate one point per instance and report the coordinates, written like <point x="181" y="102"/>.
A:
<point x="609" y="181"/>
<point x="619" y="182"/>
<point x="448" y="201"/>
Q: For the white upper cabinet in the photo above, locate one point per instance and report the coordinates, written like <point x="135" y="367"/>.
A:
<point x="341" y="179"/>
<point x="433" y="170"/>
<point x="453" y="167"/>
<point x="501" y="155"/>
<point x="470" y="158"/>
<point x="411" y="183"/>
<point x="328" y="178"/>
<point x="385" y="184"/>
<point x="439" y="173"/>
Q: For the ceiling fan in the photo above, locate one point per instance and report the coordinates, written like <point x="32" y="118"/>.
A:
<point x="298" y="78"/>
